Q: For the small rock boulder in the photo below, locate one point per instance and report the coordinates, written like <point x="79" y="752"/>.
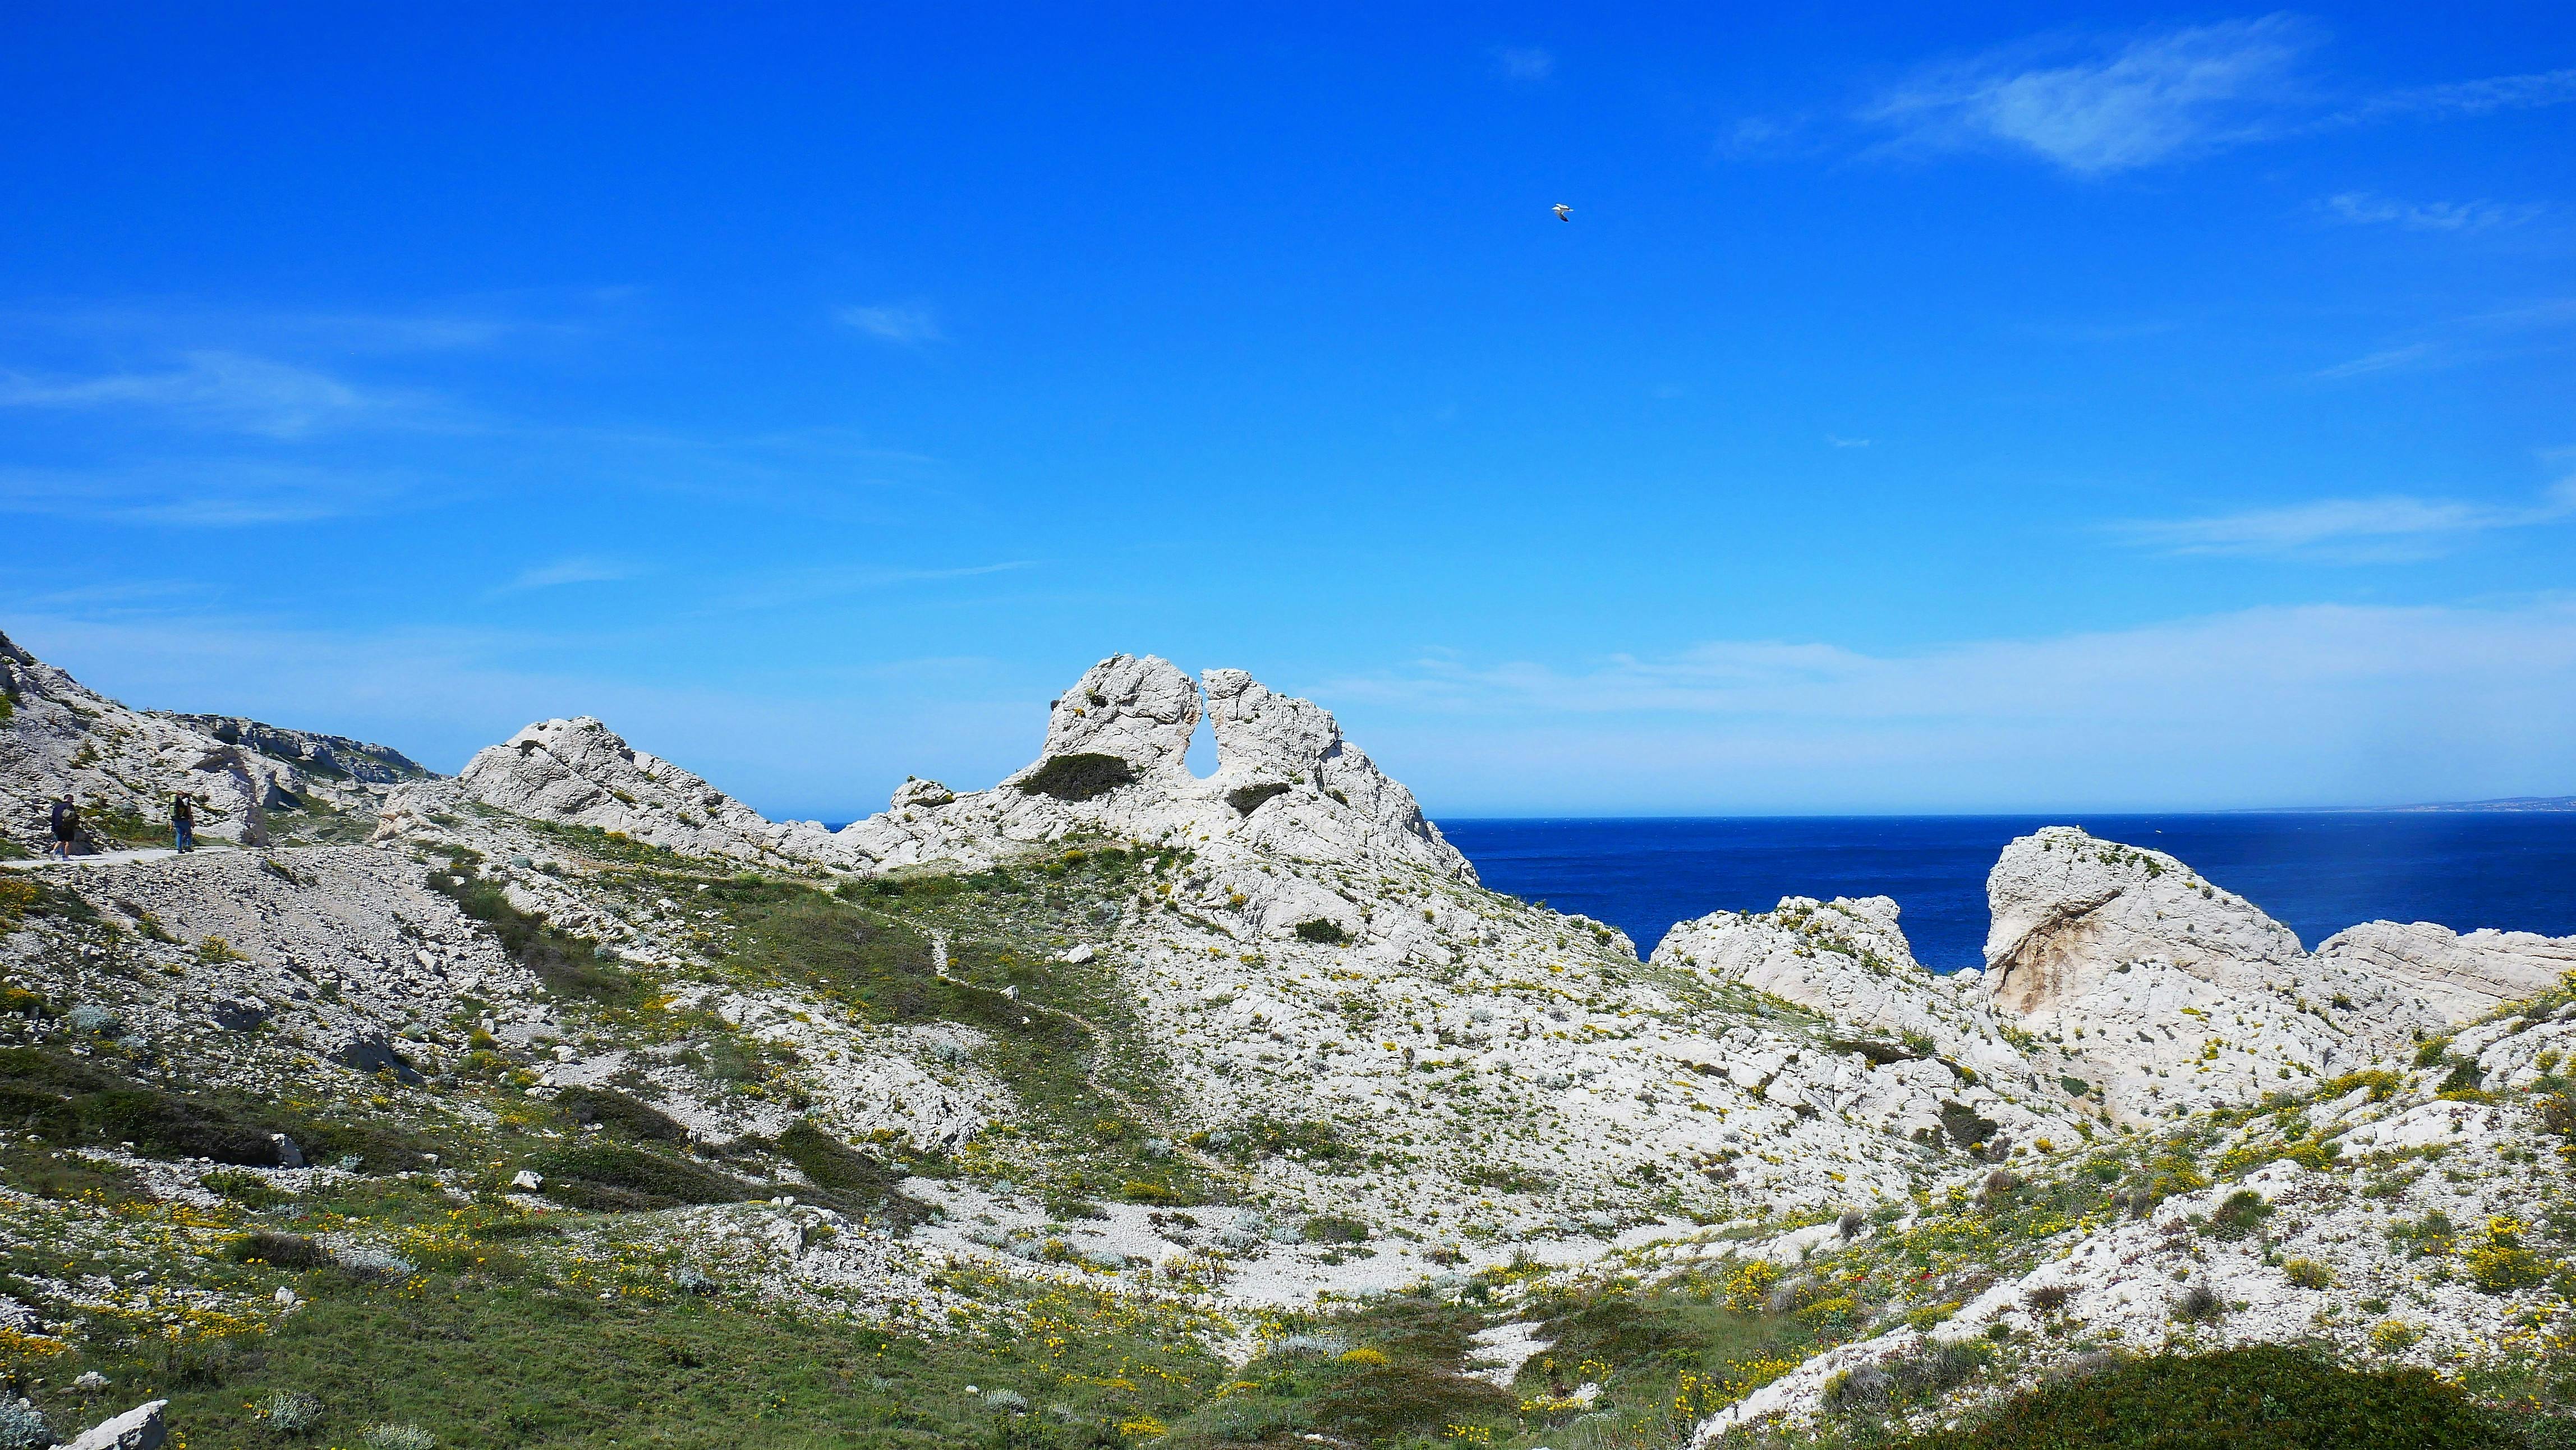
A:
<point x="139" y="1428"/>
<point x="372" y="1053"/>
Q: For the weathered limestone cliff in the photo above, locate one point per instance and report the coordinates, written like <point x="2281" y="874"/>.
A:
<point x="2182" y="994"/>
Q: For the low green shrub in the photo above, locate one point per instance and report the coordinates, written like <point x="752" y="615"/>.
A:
<point x="618" y="1113"/>
<point x="2240" y="1215"/>
<point x="568" y="965"/>
<point x="2270" y="1396"/>
<point x="1329" y="1228"/>
<point x="245" y="1188"/>
<point x="845" y="1178"/>
<point x="1078" y="777"/>
<point x="282" y="1251"/>
<point x="618" y="1178"/>
<point x="2198" y="1304"/>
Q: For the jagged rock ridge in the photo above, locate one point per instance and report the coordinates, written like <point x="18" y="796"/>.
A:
<point x="335" y="756"/>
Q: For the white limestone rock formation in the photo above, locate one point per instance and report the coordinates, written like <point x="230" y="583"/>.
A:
<point x="1138" y="709"/>
<point x="1313" y="949"/>
<point x="2180" y="993"/>
<point x="1848" y="961"/>
<point x="2462" y="976"/>
<point x="2324" y="1270"/>
<point x="1287" y="785"/>
<point x="1844" y="958"/>
<point x="57" y="736"/>
<point x="1280" y="759"/>
<point x="580" y="773"/>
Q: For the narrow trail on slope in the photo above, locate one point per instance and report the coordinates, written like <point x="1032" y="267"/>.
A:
<point x="1091" y="1078"/>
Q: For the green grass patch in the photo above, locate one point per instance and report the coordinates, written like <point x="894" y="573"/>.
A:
<point x="568" y="965"/>
<point x="1390" y="1375"/>
<point x="846" y="1179"/>
<point x="528" y="1364"/>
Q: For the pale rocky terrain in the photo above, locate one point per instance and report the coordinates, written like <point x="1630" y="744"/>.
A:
<point x="124" y="766"/>
<point x="1281" y="989"/>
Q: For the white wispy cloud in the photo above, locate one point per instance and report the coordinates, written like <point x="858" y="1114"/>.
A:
<point x="226" y="391"/>
<point x="809" y="586"/>
<point x="2308" y="704"/>
<point x="907" y="324"/>
<point x="2392" y="525"/>
<point x="207" y="494"/>
<point x="1841" y="442"/>
<point x="2096" y="108"/>
<point x="1525" y="63"/>
<point x="2413" y="354"/>
<point x="580" y="569"/>
<point x="2472" y="97"/>
<point x="2503" y="332"/>
<point x="2153" y="99"/>
<point x="1769" y="137"/>
<point x="450" y="325"/>
<point x="2364" y="208"/>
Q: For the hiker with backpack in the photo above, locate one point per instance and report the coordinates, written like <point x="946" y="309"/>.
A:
<point x="66" y="824"/>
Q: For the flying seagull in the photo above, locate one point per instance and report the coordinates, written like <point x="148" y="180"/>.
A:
<point x="1564" y="213"/>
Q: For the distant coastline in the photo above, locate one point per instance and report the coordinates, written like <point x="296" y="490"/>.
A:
<point x="2508" y="803"/>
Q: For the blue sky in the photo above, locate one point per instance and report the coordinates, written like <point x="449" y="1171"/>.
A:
<point x="2008" y="409"/>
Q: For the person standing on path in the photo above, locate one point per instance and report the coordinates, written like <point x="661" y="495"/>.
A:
<point x="183" y="822"/>
<point x="66" y="823"/>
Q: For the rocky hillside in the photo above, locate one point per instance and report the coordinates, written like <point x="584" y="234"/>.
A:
<point x="1112" y="1105"/>
<point x="123" y="767"/>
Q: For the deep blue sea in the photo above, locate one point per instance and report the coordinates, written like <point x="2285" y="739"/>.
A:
<point x="2316" y="872"/>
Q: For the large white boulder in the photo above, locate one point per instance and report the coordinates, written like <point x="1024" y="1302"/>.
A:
<point x="139" y="1428"/>
<point x="2174" y="991"/>
<point x="1141" y="709"/>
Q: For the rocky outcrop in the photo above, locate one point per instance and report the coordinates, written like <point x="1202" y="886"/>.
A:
<point x="333" y="757"/>
<point x="1940" y="1071"/>
<point x="1281" y="760"/>
<point x="2461" y="976"/>
<point x="1287" y="785"/>
<point x="1114" y="764"/>
<point x="121" y="766"/>
<point x="1138" y="709"/>
<point x="2174" y="991"/>
<point x="2069" y="910"/>
<point x="580" y="773"/>
<point x="1845" y="959"/>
